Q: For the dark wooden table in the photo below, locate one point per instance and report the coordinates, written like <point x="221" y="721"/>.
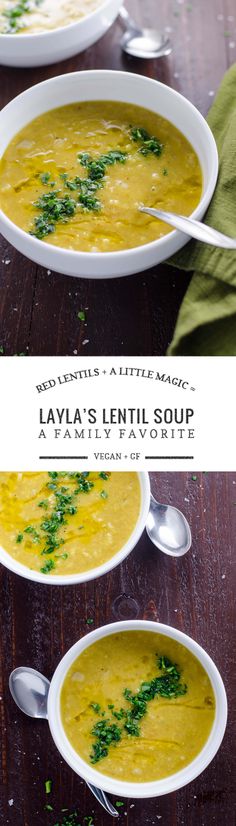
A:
<point x="135" y="315"/>
<point x="38" y="624"/>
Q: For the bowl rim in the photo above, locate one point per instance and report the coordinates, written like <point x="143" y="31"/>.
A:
<point x="124" y="788"/>
<point x="30" y="38"/>
<point x="16" y="567"/>
<point x="126" y="254"/>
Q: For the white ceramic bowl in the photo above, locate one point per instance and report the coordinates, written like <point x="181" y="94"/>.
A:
<point x="51" y="46"/>
<point x="118" y="787"/>
<point x="71" y="579"/>
<point x="117" y="86"/>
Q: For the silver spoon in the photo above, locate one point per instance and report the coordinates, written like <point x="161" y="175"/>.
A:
<point x="168" y="529"/>
<point x="30" y="690"/>
<point x="144" y="43"/>
<point x="196" y="229"/>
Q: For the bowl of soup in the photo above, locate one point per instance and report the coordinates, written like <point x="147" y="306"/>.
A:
<point x="49" y="31"/>
<point x="61" y="528"/>
<point x="137" y="708"/>
<point x="81" y="153"/>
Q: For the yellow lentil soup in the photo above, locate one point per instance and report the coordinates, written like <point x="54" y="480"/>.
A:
<point x="138" y="706"/>
<point x="42" y="15"/>
<point x="76" y="176"/>
<point x="67" y="523"/>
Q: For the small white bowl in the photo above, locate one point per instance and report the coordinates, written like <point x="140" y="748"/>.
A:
<point x="48" y="47"/>
<point x="117" y="86"/>
<point x="118" y="787"/>
<point x="74" y="579"/>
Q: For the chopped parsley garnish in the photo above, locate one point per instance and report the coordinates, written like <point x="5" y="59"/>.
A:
<point x="57" y="206"/>
<point x="14" y="14"/>
<point x="74" y="819"/>
<point x="61" y="504"/>
<point x="96" y="707"/>
<point x="107" y="733"/>
<point x="54" y="208"/>
<point x="89" y="621"/>
<point x="45" y="177"/>
<point x="149" y="144"/>
<point x="49" y="565"/>
<point x="81" y="315"/>
<point x="35" y="537"/>
<point x="48" y="786"/>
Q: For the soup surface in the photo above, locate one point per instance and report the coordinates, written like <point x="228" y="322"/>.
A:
<point x="76" y="176"/>
<point x="137" y="705"/>
<point x="67" y="523"/>
<point x="33" y="16"/>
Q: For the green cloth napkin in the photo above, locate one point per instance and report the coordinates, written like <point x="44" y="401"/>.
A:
<point x="206" y="325"/>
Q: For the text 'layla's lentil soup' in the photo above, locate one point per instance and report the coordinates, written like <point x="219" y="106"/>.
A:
<point x="76" y="176"/>
<point x="34" y="16"/>
<point x="137" y="705"/>
<point x="67" y="523"/>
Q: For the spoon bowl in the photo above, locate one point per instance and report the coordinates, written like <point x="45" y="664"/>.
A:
<point x="142" y="42"/>
<point x="29" y="689"/>
<point x="168" y="529"/>
<point x="146" y="44"/>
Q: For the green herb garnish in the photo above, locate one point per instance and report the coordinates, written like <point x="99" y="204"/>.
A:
<point x="54" y="208"/>
<point x="48" y="786"/>
<point x="45" y="177"/>
<point x="33" y="533"/>
<point x="81" y="315"/>
<point x="49" y="565"/>
<point x="14" y="14"/>
<point x="96" y="707"/>
<point x="104" y="494"/>
<point x="150" y="144"/>
<point x="58" y="206"/>
<point x="62" y="503"/>
<point x="106" y="733"/>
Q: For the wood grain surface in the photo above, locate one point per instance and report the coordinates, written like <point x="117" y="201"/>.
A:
<point x="195" y="594"/>
<point x="135" y="315"/>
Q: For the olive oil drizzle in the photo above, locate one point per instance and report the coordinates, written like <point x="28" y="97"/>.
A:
<point x="57" y="205"/>
<point x="107" y="732"/>
<point x="64" y="504"/>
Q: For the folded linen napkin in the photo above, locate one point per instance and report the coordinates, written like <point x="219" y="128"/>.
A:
<point x="206" y="324"/>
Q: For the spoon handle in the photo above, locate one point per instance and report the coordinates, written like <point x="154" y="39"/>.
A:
<point x="103" y="800"/>
<point x="126" y="21"/>
<point x="196" y="229"/>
